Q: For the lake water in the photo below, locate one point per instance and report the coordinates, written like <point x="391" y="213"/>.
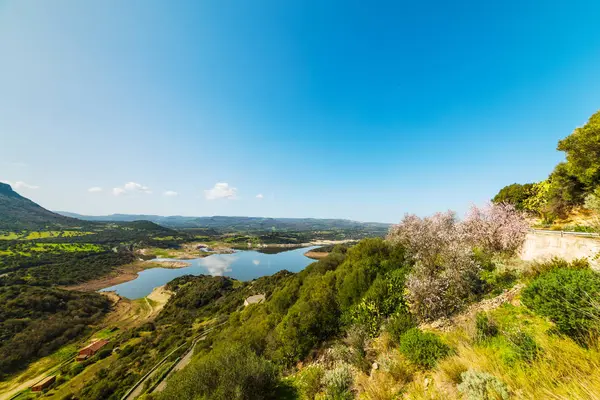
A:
<point x="242" y="265"/>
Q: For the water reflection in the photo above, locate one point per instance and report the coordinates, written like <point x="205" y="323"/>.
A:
<point x="242" y="265"/>
<point x="218" y="266"/>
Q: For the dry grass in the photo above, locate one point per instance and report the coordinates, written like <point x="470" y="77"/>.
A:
<point x="561" y="370"/>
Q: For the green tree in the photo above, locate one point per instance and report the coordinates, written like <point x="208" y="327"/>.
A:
<point x="538" y="199"/>
<point x="515" y="194"/>
<point x="564" y="192"/>
<point x="582" y="149"/>
<point x="226" y="373"/>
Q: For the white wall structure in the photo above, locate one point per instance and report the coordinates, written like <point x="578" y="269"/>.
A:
<point x="543" y="245"/>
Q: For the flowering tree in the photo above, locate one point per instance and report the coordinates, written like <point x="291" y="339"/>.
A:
<point x="496" y="228"/>
<point x="446" y="272"/>
<point x="426" y="239"/>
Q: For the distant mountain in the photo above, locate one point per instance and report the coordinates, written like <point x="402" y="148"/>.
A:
<point x="242" y="224"/>
<point x="19" y="213"/>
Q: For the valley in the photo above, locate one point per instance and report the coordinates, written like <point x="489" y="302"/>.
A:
<point x="488" y="306"/>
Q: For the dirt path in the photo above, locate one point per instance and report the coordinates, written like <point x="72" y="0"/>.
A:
<point x="180" y="365"/>
<point x="137" y="390"/>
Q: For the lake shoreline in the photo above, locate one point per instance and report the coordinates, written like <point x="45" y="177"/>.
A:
<point x="124" y="274"/>
<point x="131" y="272"/>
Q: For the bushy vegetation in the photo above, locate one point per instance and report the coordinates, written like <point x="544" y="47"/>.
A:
<point x="569" y="297"/>
<point x="485" y="327"/>
<point x="36" y="321"/>
<point x="572" y="183"/>
<point x="448" y="272"/>
<point x="337" y="383"/>
<point x="66" y="268"/>
<point x="227" y="373"/>
<point x="515" y="194"/>
<point x="477" y="385"/>
<point x="424" y="349"/>
<point x="399" y="324"/>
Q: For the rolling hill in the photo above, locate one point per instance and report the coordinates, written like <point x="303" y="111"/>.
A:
<point x="19" y="213"/>
<point x="244" y="224"/>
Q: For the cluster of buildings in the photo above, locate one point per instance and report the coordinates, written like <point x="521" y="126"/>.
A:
<point x="88" y="351"/>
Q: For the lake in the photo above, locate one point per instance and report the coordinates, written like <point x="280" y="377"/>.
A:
<point x="242" y="265"/>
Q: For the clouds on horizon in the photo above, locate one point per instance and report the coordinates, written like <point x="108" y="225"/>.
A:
<point x="221" y="190"/>
<point x="95" y="189"/>
<point x="260" y="196"/>
<point x="170" y="193"/>
<point x="131" y="188"/>
<point x="20" y="185"/>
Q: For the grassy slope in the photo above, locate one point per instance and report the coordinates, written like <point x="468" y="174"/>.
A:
<point x="561" y="369"/>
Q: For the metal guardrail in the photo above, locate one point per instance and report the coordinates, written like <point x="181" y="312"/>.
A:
<point x="566" y="233"/>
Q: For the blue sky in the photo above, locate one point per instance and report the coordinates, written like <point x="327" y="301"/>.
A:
<point x="351" y="109"/>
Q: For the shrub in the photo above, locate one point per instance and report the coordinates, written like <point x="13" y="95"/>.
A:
<point x="103" y="353"/>
<point x="396" y="365"/>
<point x="398" y="324"/>
<point x="337" y="383"/>
<point x="423" y="348"/>
<point x="76" y="369"/>
<point x="497" y="281"/>
<point x="539" y="268"/>
<point x="524" y="345"/>
<point x="308" y="381"/>
<point x="436" y="292"/>
<point x="569" y="297"/>
<point x="365" y="315"/>
<point x="229" y="373"/>
<point x="477" y="385"/>
<point x="485" y="327"/>
<point x="357" y="341"/>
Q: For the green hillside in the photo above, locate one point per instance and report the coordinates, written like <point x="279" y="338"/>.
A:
<point x="19" y="213"/>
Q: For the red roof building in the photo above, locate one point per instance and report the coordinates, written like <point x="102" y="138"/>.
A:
<point x="91" y="349"/>
<point x="43" y="384"/>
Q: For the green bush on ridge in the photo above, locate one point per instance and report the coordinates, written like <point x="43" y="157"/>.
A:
<point x="424" y="349"/>
<point x="569" y="297"/>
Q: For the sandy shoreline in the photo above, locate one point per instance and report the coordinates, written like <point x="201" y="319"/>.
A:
<point x="316" y="255"/>
<point x="124" y="274"/>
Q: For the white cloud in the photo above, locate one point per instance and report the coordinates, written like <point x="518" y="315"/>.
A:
<point x="256" y="262"/>
<point x="20" y="185"/>
<point x="260" y="196"/>
<point x="136" y="187"/>
<point x="170" y="193"/>
<point x="23" y="185"/>
<point x="221" y="190"/>
<point x="131" y="187"/>
<point x="95" y="189"/>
